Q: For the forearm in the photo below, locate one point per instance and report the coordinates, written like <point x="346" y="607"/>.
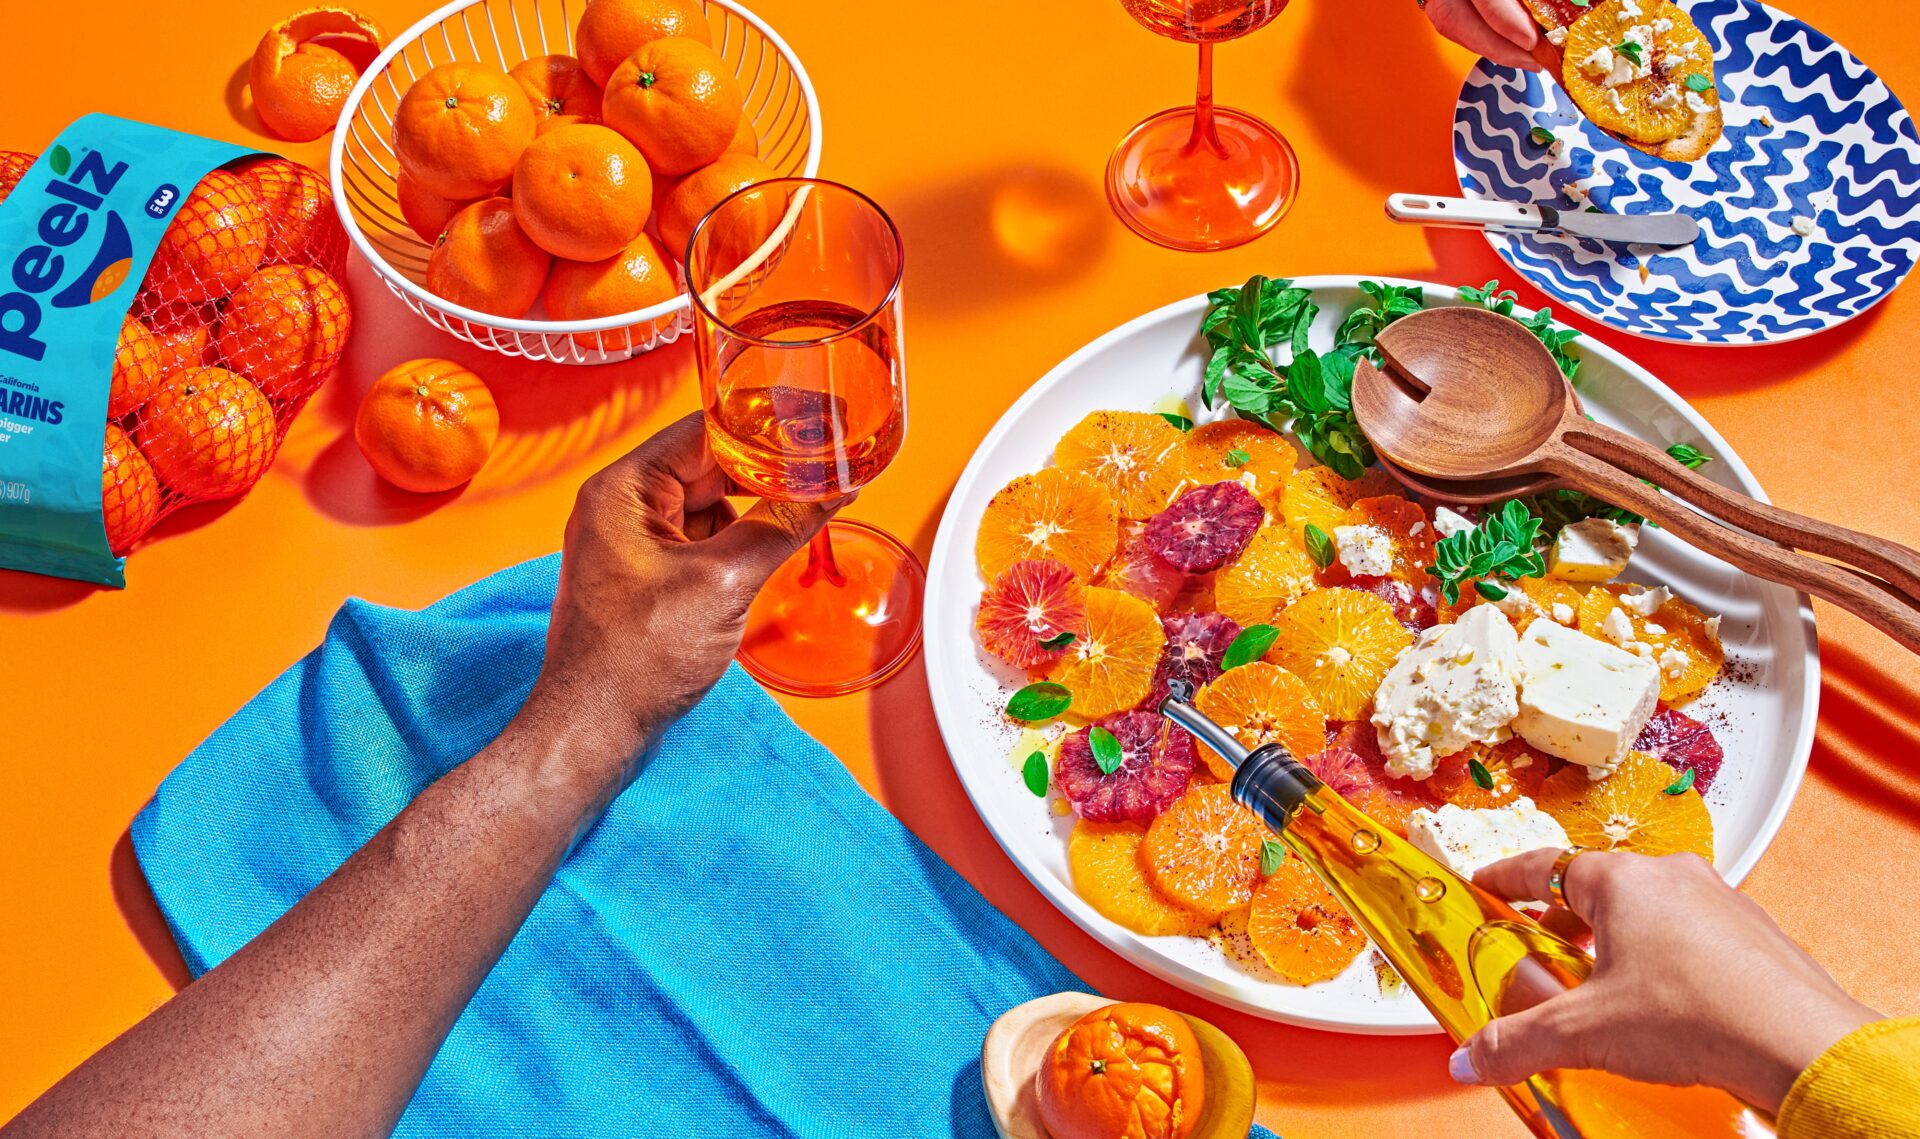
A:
<point x="325" y="1024"/>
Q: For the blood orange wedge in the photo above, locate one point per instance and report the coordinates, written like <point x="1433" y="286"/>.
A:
<point x="1137" y="456"/>
<point x="1684" y="744"/>
<point x="1512" y="768"/>
<point x="1630" y="809"/>
<point x="1206" y="527"/>
<point x="1156" y="762"/>
<point x="1195" y="644"/>
<point x="1343" y="771"/>
<point x="1261" y="704"/>
<point x="1029" y="607"/>
<point x="1203" y="852"/>
<point x="1257" y="458"/>
<point x="1299" y="928"/>
<point x="1104" y="859"/>
<point x="1109" y="666"/>
<point x="1052" y="513"/>
<point x="1320" y="496"/>
<point x="1272" y="573"/>
<point x="1135" y="569"/>
<point x="1677" y="637"/>
<point x="1390" y="800"/>
<point x="1341" y="642"/>
<point x="1412" y="607"/>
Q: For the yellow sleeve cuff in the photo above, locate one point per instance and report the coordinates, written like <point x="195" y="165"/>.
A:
<point x="1867" y="1086"/>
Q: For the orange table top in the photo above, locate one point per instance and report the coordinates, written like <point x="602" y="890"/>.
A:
<point x="984" y="131"/>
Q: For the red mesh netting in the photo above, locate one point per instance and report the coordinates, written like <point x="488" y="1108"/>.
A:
<point x="242" y="316"/>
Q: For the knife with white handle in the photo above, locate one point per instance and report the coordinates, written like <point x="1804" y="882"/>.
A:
<point x="1474" y="213"/>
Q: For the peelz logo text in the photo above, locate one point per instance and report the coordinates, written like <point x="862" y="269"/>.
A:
<point x="82" y="251"/>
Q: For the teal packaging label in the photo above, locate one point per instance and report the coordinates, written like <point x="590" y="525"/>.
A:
<point x="76" y="236"/>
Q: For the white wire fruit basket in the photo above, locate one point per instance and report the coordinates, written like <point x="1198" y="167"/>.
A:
<point x="780" y="103"/>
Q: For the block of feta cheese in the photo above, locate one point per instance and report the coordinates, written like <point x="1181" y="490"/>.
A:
<point x="1592" y="549"/>
<point x="1366" y="551"/>
<point x="1465" y="840"/>
<point x="1455" y="686"/>
<point x="1582" y="699"/>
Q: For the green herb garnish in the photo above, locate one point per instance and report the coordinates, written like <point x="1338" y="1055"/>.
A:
<point x="1106" y="750"/>
<point x="1482" y="778"/>
<point x="1055" y="643"/>
<point x="1180" y="421"/>
<point x="1631" y="49"/>
<point x="1319" y="546"/>
<point x="1541" y="136"/>
<point x="1040" y="701"/>
<point x="1499" y="300"/>
<point x="1237" y="458"/>
<point x="1252" y="644"/>
<point x="1035" y="773"/>
<point x="1699" y="83"/>
<point x="1689" y="456"/>
<point x="1680" y="785"/>
<point x="1384" y="305"/>
<point x="1490" y="589"/>
<point x="1501" y="544"/>
<point x="1272" y="855"/>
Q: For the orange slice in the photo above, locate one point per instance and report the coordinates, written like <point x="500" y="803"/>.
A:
<point x="1140" y="458"/>
<point x="1109" y="666"/>
<point x="1652" y="107"/>
<point x="1512" y="767"/>
<point x="1261" y="703"/>
<point x="1237" y="449"/>
<point x="1407" y="528"/>
<point x="1203" y="852"/>
<point x="1272" y="573"/>
<point x="1677" y="637"/>
<point x="1104" y="859"/>
<point x="1322" y="497"/>
<point x="1341" y="642"/>
<point x="1054" y="514"/>
<point x="1629" y="810"/>
<point x="1299" y="928"/>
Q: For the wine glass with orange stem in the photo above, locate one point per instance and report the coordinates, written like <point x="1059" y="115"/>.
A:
<point x="796" y="301"/>
<point x="1202" y="177"/>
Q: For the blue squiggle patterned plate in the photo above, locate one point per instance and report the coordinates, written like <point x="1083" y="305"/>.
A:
<point x="1811" y="133"/>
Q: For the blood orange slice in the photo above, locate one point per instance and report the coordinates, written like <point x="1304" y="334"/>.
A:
<point x="1195" y="644"/>
<point x="1684" y="744"/>
<point x="1205" y="527"/>
<point x="1391" y="801"/>
<point x="1026" y="608"/>
<point x="1156" y="762"/>
<point x="1134" y="569"/>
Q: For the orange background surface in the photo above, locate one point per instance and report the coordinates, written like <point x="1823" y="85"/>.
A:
<point x="983" y="127"/>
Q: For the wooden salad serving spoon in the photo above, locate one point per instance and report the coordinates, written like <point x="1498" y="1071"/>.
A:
<point x="1470" y="407"/>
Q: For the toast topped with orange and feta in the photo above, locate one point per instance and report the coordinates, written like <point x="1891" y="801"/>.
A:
<point x="1638" y="69"/>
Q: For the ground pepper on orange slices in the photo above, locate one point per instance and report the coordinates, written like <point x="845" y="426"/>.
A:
<point x="1235" y="449"/>
<point x="1203" y="852"/>
<point x="1341" y="642"/>
<point x="1639" y="808"/>
<point x="299" y="82"/>
<point x="1104" y="859"/>
<point x="1320" y="496"/>
<point x="1408" y="530"/>
<point x="1109" y="666"/>
<point x="1031" y="613"/>
<point x="1272" y="573"/>
<point x="1681" y="640"/>
<point x="1124" y="1071"/>
<point x="1299" y="928"/>
<point x="1261" y="703"/>
<point x="1511" y="767"/>
<point x="1139" y="457"/>
<point x="1053" y="514"/>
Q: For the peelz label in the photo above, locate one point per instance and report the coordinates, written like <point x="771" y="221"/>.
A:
<point x="76" y="236"/>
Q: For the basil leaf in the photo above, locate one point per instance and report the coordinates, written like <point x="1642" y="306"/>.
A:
<point x="1319" y="546"/>
<point x="1699" y="83"/>
<point x="1056" y="643"/>
<point x="1541" y="136"/>
<point x="1630" y="49"/>
<point x="1180" y="421"/>
<point x="1106" y="750"/>
<point x="1273" y="855"/>
<point x="1252" y="644"/>
<point x="1035" y="773"/>
<point x="1237" y="458"/>
<point x="1680" y="785"/>
<point x="1482" y="778"/>
<point x="1040" y="701"/>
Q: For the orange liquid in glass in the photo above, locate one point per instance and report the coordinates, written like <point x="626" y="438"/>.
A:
<point x="1203" y="21"/>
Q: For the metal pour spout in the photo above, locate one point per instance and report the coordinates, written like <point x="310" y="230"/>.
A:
<point x="1178" y="707"/>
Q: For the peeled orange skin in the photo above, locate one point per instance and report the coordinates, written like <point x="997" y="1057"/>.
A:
<point x="639" y="276"/>
<point x="582" y="192"/>
<point x="208" y="432"/>
<point x="1124" y="1071"/>
<point x="612" y="30"/>
<point x="1300" y="929"/>
<point x="689" y="198"/>
<point x="285" y="328"/>
<point x="129" y="491"/>
<point x="1139" y="457"/>
<point x="299" y="87"/>
<point x="1203" y="851"/>
<point x="677" y="101"/>
<point x="1104" y="859"/>
<point x="557" y="88"/>
<point x="216" y="239"/>
<point x="427" y="425"/>
<point x="1052" y="513"/>
<point x="486" y="262"/>
<point x="426" y="214"/>
<point x="138" y="364"/>
<point x="461" y="128"/>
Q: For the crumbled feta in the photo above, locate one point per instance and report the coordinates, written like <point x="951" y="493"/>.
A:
<point x="1653" y="630"/>
<point x="1599" y="63"/>
<point x="1617" y="626"/>
<point x="1623" y="73"/>
<point x="1557" y="36"/>
<point x="1591" y="550"/>
<point x="1613" y="99"/>
<point x="1563" y="613"/>
<point x="1663" y="25"/>
<point x="1645" y="602"/>
<point x="1447" y="523"/>
<point x="1667" y="99"/>
<point x="1582" y="699"/>
<point x="1454" y="687"/>
<point x="1517" y="605"/>
<point x="1713" y="626"/>
<point x="1629" y="9"/>
<point x="1366" y="551"/>
<point x="1698" y="104"/>
<point x="1673" y="662"/>
<point x="1465" y="840"/>
<point x="1803" y="226"/>
<point x="1576" y="192"/>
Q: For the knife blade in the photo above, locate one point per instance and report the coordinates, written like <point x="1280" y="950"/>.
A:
<point x="1665" y="229"/>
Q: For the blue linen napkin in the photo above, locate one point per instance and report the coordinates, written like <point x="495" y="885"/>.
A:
<point x="746" y="945"/>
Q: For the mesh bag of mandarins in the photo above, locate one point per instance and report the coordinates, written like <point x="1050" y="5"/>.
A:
<point x="168" y="304"/>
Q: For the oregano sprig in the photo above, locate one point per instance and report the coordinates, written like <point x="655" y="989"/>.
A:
<point x="1500" y="546"/>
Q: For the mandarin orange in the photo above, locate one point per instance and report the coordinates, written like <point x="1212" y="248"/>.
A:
<point x="426" y="214"/>
<point x="1272" y="573"/>
<point x="639" y="276"/>
<point x="14" y="165"/>
<point x="1203" y="852"/>
<point x="677" y="101"/>
<point x="182" y="332"/>
<point x="461" y="128"/>
<point x="427" y="425"/>
<point x="558" y="89"/>
<point x="582" y="192"/>
<point x="129" y="491"/>
<point x="1677" y="636"/>
<point x="299" y="208"/>
<point x="612" y="30"/>
<point x="745" y="140"/>
<point x="208" y="432"/>
<point x="486" y="262"/>
<point x="1629" y="810"/>
<point x="1300" y="929"/>
<point x="688" y="200"/>
<point x="218" y="238"/>
<point x="285" y="329"/>
<point x="1341" y="642"/>
<point x="1236" y="449"/>
<point x="300" y="86"/>
<point x="139" y="363"/>
<point x="1124" y="1071"/>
